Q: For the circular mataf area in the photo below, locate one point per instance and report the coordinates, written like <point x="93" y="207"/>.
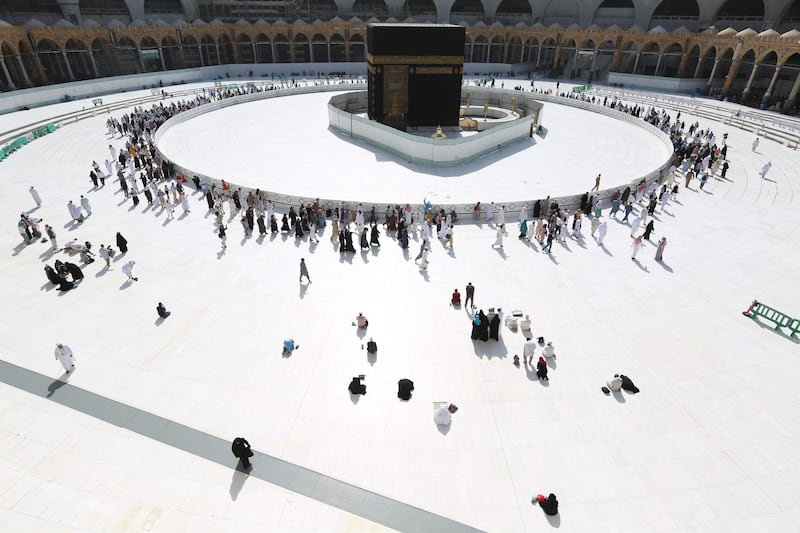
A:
<point x="709" y="444"/>
<point x="283" y="145"/>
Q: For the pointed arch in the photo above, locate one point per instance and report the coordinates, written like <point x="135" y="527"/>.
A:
<point x="226" y="53"/>
<point x="191" y="52"/>
<point x="171" y="53"/>
<point x="281" y="49"/>
<point x="357" y="48"/>
<point x="515" y="50"/>
<point x="79" y="63"/>
<point x="338" y="53"/>
<point x="319" y="48"/>
<point x="208" y="48"/>
<point x="496" y="49"/>
<point x="301" y="49"/>
<point x="53" y="62"/>
<point x="263" y="49"/>
<point x="245" y="48"/>
<point x="480" y="49"/>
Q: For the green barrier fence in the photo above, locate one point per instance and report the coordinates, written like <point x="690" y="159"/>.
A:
<point x="19" y="142"/>
<point x="781" y="320"/>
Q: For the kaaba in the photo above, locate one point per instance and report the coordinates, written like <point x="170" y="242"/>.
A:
<point x="415" y="74"/>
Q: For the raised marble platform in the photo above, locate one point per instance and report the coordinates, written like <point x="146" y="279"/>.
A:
<point x="506" y="129"/>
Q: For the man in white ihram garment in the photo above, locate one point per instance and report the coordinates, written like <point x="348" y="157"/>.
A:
<point x="65" y="356"/>
<point x="444" y="415"/>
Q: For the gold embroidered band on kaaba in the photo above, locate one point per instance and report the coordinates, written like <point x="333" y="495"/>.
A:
<point x="415" y="60"/>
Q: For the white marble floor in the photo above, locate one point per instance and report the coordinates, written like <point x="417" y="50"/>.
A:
<point x="256" y="145"/>
<point x="706" y="446"/>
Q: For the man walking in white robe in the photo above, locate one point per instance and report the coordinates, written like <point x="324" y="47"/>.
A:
<point x="765" y="169"/>
<point x="602" y="232"/>
<point x="36" y="197"/>
<point x="127" y="269"/>
<point x="86" y="206"/>
<point x="65" y="356"/>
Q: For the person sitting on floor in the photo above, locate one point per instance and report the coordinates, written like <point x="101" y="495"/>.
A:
<point x="525" y="324"/>
<point x="455" y="299"/>
<point x="356" y="387"/>
<point x="162" y="311"/>
<point x="404" y="389"/>
<point x="54" y="278"/>
<point x="549" y="505"/>
<point x="627" y="384"/>
<point x="289" y="346"/>
<point x="614" y="384"/>
<point x="361" y="321"/>
<point x="372" y="346"/>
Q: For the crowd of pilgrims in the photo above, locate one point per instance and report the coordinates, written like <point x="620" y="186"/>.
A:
<point x="695" y="153"/>
<point x="311" y="219"/>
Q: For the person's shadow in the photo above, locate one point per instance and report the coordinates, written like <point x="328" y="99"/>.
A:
<point x="57" y="384"/>
<point x="444" y="430"/>
<point x="240" y="475"/>
<point x="555" y="521"/>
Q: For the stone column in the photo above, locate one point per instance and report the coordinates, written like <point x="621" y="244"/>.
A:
<point x="636" y="63"/>
<point x="792" y="93"/>
<point x="771" y="85"/>
<point x="69" y="68"/>
<point x="555" y="56"/>
<point x="161" y="57"/>
<point x="85" y="63"/>
<point x="713" y="72"/>
<point x="272" y="47"/>
<point x="24" y="71"/>
<point x="538" y="54"/>
<point x="311" y="51"/>
<point x="255" y="56"/>
<point x="219" y="57"/>
<point x="615" y="59"/>
<point x="94" y="64"/>
<point x="682" y="65"/>
<point x="697" y="69"/>
<point x="141" y="60"/>
<point x="750" y="80"/>
<point x="658" y="64"/>
<point x="6" y="74"/>
<point x="330" y="59"/>
<point x="731" y="76"/>
<point x="200" y="51"/>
